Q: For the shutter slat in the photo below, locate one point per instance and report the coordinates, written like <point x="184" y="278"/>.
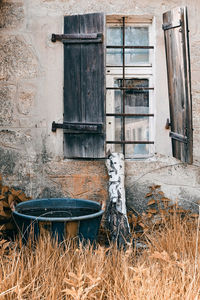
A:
<point x="86" y="98"/>
<point x="72" y="75"/>
<point x="179" y="82"/>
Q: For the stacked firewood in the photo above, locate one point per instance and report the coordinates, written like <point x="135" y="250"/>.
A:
<point x="9" y="198"/>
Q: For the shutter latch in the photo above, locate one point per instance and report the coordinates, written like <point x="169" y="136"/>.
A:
<point x="168" y="124"/>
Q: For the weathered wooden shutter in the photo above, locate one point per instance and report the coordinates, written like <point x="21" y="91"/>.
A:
<point x="175" y="25"/>
<point x="84" y="90"/>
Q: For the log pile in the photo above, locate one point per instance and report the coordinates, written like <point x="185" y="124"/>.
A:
<point x="9" y="198"/>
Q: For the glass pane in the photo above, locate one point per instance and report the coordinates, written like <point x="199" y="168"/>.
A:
<point x="137" y="129"/>
<point x="114" y="36"/>
<point x="136" y="102"/>
<point x="138" y="150"/>
<point x="136" y="56"/>
<point x="136" y="36"/>
<point x="118" y="101"/>
<point x="114" y="57"/>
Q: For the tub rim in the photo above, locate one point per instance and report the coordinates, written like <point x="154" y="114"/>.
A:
<point x="49" y="219"/>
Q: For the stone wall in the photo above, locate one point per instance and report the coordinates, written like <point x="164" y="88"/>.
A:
<point x="31" y="85"/>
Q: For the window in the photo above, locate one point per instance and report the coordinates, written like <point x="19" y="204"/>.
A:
<point x="129" y="85"/>
<point x="123" y="121"/>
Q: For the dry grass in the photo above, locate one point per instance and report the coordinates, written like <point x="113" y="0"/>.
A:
<point x="168" y="269"/>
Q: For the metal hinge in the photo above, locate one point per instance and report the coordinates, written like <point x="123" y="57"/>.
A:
<point x="178" y="137"/>
<point x="168" y="26"/>
<point x="78" y="127"/>
<point x="78" y="38"/>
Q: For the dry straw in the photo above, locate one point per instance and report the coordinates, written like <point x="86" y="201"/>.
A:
<point x="168" y="268"/>
<point x="165" y="270"/>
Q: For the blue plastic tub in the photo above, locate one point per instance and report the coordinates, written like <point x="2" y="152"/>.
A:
<point x="62" y="217"/>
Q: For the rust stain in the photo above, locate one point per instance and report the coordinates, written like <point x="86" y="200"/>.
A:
<point x="71" y="229"/>
<point x="85" y="186"/>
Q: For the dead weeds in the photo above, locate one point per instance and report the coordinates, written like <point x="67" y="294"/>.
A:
<point x="167" y="269"/>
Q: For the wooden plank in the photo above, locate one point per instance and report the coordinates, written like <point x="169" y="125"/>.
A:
<point x="179" y="82"/>
<point x="92" y="71"/>
<point x="84" y="127"/>
<point x="72" y="74"/>
<point x="83" y="41"/>
<point x="82" y="146"/>
<point x="117" y="19"/>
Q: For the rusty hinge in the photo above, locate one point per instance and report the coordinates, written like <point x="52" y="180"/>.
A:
<point x="168" y="26"/>
<point x="78" y="127"/>
<point x="178" y="137"/>
<point x="78" y="38"/>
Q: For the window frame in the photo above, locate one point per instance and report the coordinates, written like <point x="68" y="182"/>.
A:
<point x="139" y="71"/>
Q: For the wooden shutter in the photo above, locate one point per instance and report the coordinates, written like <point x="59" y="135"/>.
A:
<point x="175" y="27"/>
<point x="84" y="90"/>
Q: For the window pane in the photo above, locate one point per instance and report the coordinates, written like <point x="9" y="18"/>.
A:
<point x="136" y="36"/>
<point x="137" y="129"/>
<point x="114" y="57"/>
<point x="136" y="56"/>
<point x="114" y="36"/>
<point x="139" y="150"/>
<point x="136" y="102"/>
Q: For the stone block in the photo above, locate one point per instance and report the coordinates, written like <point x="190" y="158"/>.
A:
<point x="79" y="179"/>
<point x="17" y="59"/>
<point x="8" y="161"/>
<point x="15" y="139"/>
<point x="82" y="186"/>
<point x="26" y="96"/>
<point x="11" y="14"/>
<point x="7" y="97"/>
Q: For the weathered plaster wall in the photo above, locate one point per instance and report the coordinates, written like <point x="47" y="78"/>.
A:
<point x="31" y="87"/>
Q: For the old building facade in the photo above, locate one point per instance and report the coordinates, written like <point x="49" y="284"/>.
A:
<point x="31" y="97"/>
